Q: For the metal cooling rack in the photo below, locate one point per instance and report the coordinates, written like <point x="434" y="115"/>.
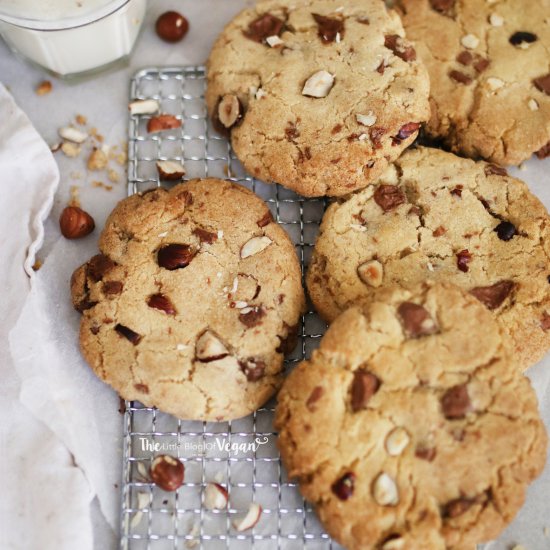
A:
<point x="157" y="520"/>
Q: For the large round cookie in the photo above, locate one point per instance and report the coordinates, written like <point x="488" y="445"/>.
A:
<point x="407" y="431"/>
<point x="192" y="301"/>
<point x="318" y="94"/>
<point x="437" y="216"/>
<point x="489" y="73"/>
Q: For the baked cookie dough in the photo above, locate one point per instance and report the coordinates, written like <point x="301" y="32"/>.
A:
<point x="433" y="215"/>
<point x="318" y="95"/>
<point x="405" y="430"/>
<point x="489" y="73"/>
<point x="187" y="310"/>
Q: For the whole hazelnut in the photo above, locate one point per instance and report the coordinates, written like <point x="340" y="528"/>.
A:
<point x="167" y="472"/>
<point x="172" y="26"/>
<point x="75" y="223"/>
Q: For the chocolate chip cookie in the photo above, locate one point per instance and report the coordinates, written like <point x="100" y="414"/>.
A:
<point x="187" y="310"/>
<point x="318" y="95"/>
<point x="406" y="431"/>
<point x="489" y="73"/>
<point x="433" y="215"/>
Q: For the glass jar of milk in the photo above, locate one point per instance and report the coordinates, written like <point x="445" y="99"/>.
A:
<point x="72" y="37"/>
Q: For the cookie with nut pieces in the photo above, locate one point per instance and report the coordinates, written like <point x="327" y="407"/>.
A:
<point x="317" y="95"/>
<point x="433" y="215"/>
<point x="186" y="310"/>
<point x="406" y="432"/>
<point x="489" y="74"/>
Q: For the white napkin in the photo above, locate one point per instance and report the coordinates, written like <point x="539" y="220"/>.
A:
<point x="45" y="498"/>
<point x="57" y="385"/>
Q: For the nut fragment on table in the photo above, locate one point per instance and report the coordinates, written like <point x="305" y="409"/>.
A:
<point x="167" y="472"/>
<point x="142" y="502"/>
<point x="75" y="223"/>
<point x="216" y="497"/>
<point x="73" y="134"/>
<point x="98" y="160"/>
<point x="144" y="107"/>
<point x="163" y="122"/>
<point x="385" y="490"/>
<point x="170" y="170"/>
<point x="251" y="519"/>
<point x="45" y="87"/>
<point x="142" y="471"/>
<point x="193" y="532"/>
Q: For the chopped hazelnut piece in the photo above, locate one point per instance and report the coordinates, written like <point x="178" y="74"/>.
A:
<point x="385" y="490"/>
<point x="366" y="120"/>
<point x="470" y="41"/>
<point x="72" y="134"/>
<point x="371" y="273"/>
<point x="144" y="107"/>
<point x="496" y="20"/>
<point x="397" y="441"/>
<point x="318" y="84"/>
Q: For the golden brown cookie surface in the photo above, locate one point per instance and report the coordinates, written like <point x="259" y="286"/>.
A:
<point x="185" y="309"/>
<point x="317" y="94"/>
<point x="406" y="432"/>
<point x="436" y="216"/>
<point x="489" y="74"/>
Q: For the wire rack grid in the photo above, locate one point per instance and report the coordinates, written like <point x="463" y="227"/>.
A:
<point x="241" y="455"/>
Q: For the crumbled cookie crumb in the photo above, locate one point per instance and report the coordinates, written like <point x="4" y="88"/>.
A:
<point x="74" y="196"/>
<point x="71" y="150"/>
<point x="97" y="136"/>
<point x="98" y="160"/>
<point x="113" y="175"/>
<point x="102" y="185"/>
<point x="44" y="88"/>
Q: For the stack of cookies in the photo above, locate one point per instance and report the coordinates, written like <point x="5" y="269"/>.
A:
<point x="412" y="426"/>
